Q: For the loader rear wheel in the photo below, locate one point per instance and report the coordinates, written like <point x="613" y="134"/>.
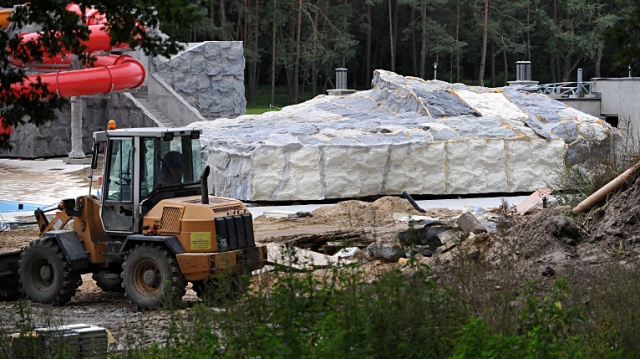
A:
<point x="151" y="277"/>
<point x="46" y="275"/>
<point x="108" y="281"/>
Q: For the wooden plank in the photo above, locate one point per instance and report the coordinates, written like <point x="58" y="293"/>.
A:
<point x="532" y="200"/>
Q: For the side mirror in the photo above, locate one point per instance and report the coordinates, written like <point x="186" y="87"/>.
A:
<point x="94" y="156"/>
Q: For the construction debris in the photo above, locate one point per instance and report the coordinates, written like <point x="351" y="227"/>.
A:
<point x="385" y="252"/>
<point x="469" y="223"/>
<point x="535" y="198"/>
<point x="281" y="254"/>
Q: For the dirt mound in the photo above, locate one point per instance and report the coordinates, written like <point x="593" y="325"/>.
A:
<point x="548" y="237"/>
<point x="371" y="214"/>
<point x="619" y="219"/>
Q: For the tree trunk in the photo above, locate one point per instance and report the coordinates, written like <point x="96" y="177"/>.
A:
<point x="458" y="41"/>
<point x="423" y="43"/>
<point x="252" y="80"/>
<point x="368" y="60"/>
<point x="273" y="55"/>
<point x="483" y="55"/>
<point x="391" y="37"/>
<point x="212" y="16"/>
<point x="314" y="71"/>
<point x="528" y="32"/>
<point x="598" y="62"/>
<point x="493" y="65"/>
<point x="414" y="50"/>
<point x="223" y="20"/>
<point x="506" y="67"/>
<point x="296" y="69"/>
<point x="395" y="33"/>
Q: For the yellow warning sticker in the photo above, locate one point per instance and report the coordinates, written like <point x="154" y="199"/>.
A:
<point x="200" y="240"/>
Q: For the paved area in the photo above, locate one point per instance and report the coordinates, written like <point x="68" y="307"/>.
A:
<point x="39" y="182"/>
<point x="45" y="182"/>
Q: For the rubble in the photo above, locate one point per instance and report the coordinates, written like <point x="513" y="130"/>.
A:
<point x="469" y="223"/>
<point x="385" y="252"/>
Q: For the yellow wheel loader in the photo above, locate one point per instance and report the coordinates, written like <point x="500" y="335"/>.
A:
<point x="151" y="228"/>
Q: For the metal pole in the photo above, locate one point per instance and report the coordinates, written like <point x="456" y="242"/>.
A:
<point x="579" y="92"/>
<point x="76" y="119"/>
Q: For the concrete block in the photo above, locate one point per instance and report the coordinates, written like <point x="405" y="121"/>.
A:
<point x="353" y="171"/>
<point x="476" y="166"/>
<point x="416" y="168"/>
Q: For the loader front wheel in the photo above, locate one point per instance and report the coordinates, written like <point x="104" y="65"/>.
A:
<point x="151" y="277"/>
<point x="45" y="273"/>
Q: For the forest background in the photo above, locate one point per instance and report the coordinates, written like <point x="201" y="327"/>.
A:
<point x="299" y="43"/>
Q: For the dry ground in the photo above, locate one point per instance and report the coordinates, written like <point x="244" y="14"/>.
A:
<point x="542" y="245"/>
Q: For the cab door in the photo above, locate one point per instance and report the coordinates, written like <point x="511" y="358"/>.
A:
<point x="118" y="186"/>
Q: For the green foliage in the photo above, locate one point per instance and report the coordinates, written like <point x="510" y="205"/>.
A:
<point x="545" y="330"/>
<point x="62" y="32"/>
<point x="344" y="313"/>
<point x="623" y="35"/>
<point x="610" y="314"/>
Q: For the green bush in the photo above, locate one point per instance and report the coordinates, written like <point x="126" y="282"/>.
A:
<point x="348" y="313"/>
<point x="545" y="330"/>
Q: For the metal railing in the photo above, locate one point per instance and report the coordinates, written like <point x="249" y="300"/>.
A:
<point x="562" y="89"/>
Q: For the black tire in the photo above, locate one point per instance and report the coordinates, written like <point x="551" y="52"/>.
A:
<point x="151" y="277"/>
<point x="108" y="281"/>
<point x="221" y="289"/>
<point x="46" y="275"/>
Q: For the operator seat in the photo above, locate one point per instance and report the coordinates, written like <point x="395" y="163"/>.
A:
<point x="171" y="168"/>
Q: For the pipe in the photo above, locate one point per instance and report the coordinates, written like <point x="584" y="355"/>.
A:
<point x="204" y="186"/>
<point x="599" y="195"/>
<point x="413" y="203"/>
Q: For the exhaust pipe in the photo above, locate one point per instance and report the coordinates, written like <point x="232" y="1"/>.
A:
<point x="204" y="186"/>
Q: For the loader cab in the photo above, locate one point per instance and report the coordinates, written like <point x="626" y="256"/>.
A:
<point x="141" y="167"/>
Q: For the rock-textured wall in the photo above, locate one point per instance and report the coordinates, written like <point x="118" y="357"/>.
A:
<point x="53" y="139"/>
<point x="209" y="76"/>
<point x="405" y="134"/>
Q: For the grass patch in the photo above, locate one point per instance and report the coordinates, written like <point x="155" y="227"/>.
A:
<point x="263" y="103"/>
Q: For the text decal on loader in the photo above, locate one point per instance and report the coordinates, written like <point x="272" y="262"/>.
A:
<point x="200" y="240"/>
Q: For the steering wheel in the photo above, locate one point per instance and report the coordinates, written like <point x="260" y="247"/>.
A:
<point x="126" y="179"/>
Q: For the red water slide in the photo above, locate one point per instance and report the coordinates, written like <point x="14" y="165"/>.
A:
<point x="107" y="74"/>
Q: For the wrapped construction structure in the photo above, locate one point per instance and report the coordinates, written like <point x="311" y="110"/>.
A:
<point x="405" y="134"/>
